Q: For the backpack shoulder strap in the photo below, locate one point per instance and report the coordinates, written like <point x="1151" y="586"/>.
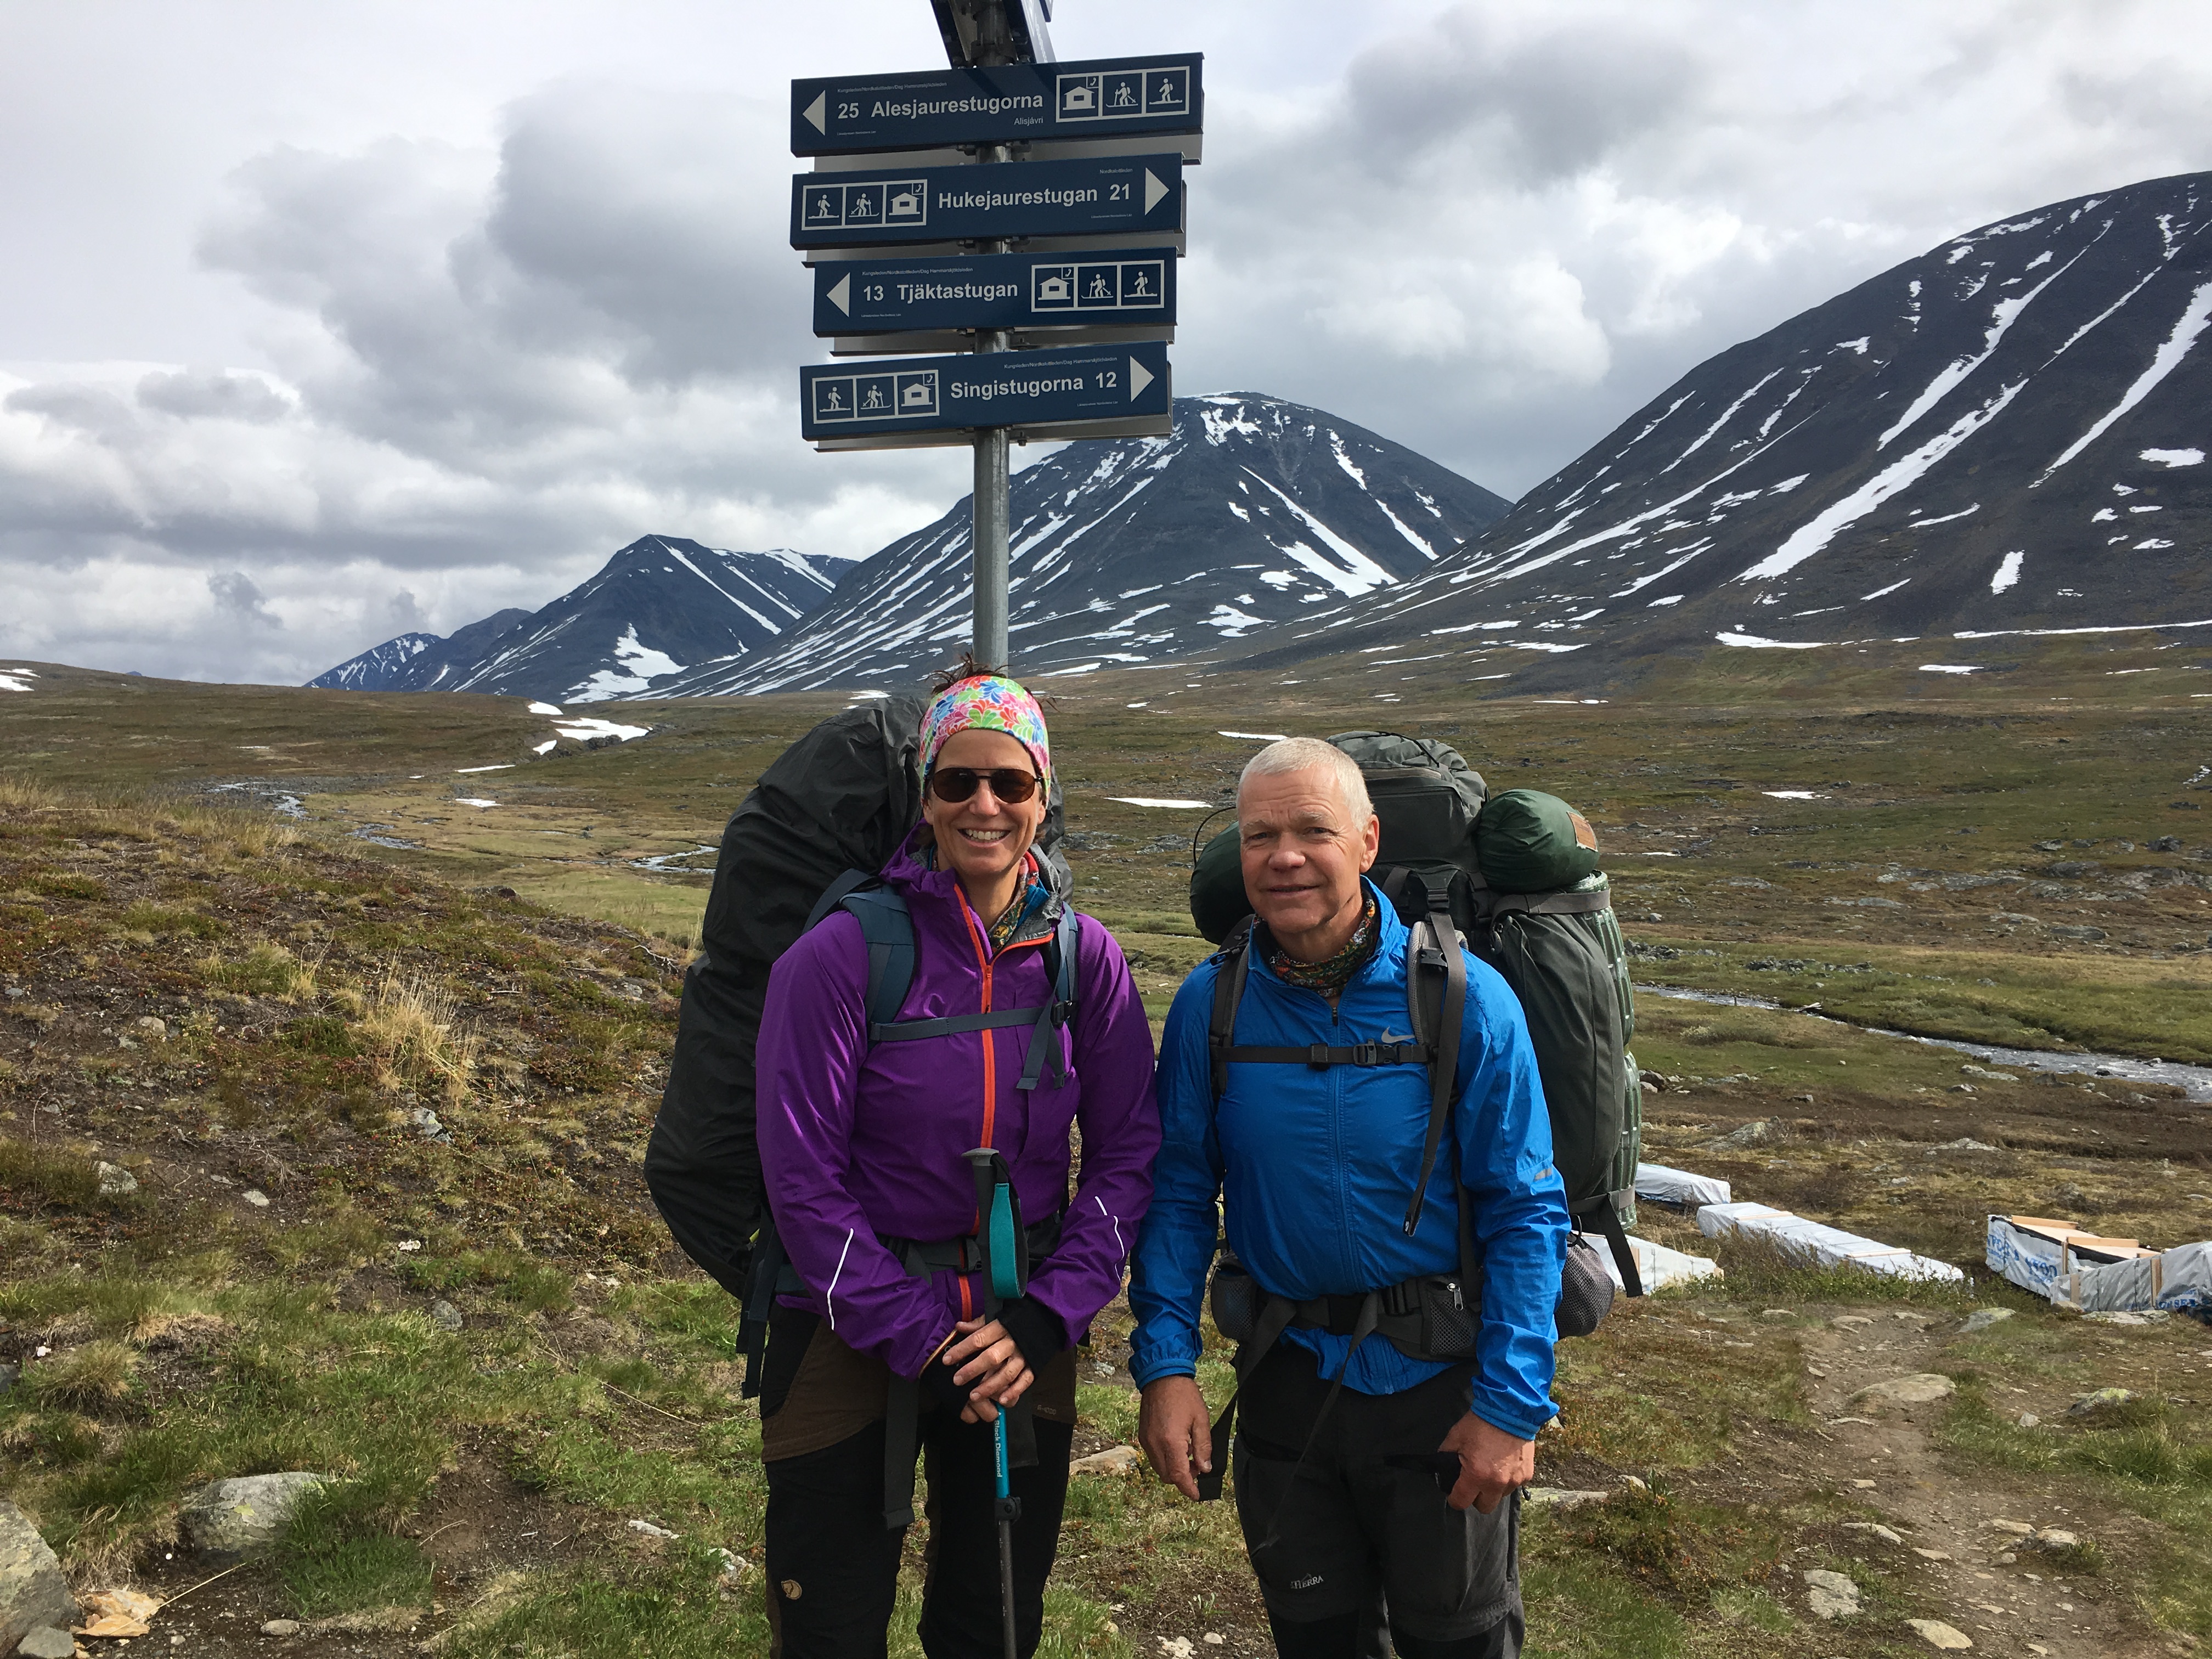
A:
<point x="1059" y="1010"/>
<point x="1435" y="1003"/>
<point x="889" y="929"/>
<point x="1230" y="968"/>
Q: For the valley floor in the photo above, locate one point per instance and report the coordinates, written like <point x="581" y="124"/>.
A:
<point x="319" y="1154"/>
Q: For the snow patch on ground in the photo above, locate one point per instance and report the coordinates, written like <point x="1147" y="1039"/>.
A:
<point x="1793" y="794"/>
<point x="464" y="771"/>
<point x="585" y="727"/>
<point x="1754" y="642"/>
<point x="2173" y="457"/>
<point x="16" y="679"/>
<point x="1256" y="737"/>
<point x="544" y="708"/>
<point x="1949" y="668"/>
<point x="2008" y="571"/>
<point x="473" y="800"/>
<point x="1148" y="801"/>
<point x="1949" y="518"/>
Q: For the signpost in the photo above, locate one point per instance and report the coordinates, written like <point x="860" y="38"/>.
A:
<point x="1107" y="98"/>
<point x="1095" y="201"/>
<point x="971" y="203"/>
<point x="1116" y="288"/>
<point x="1026" y="389"/>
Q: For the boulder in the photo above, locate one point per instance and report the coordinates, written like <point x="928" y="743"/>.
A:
<point x="1982" y="1318"/>
<point x="115" y="1181"/>
<point x="2099" y="1400"/>
<point x="32" y="1592"/>
<point x="1937" y="1634"/>
<point x="1114" y="1459"/>
<point x="244" y="1515"/>
<point x="1833" y="1595"/>
<point x="46" y="1642"/>
<point x="1917" y="1390"/>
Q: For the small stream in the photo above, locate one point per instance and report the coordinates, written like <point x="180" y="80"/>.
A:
<point x="2194" y="1080"/>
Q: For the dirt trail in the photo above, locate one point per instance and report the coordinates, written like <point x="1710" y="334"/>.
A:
<point x="1990" y="1582"/>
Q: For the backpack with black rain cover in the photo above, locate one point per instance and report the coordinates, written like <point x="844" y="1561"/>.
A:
<point x="840" y="799"/>
<point x="1518" y="874"/>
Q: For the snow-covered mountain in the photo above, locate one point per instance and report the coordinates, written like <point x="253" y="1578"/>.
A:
<point x="659" y="606"/>
<point x="2007" y="433"/>
<point x="1252" y="511"/>
<point x="419" y="662"/>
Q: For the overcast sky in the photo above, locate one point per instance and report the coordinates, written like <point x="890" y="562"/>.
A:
<point x="321" y="322"/>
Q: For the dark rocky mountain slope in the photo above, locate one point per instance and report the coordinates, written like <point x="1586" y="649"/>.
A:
<point x="1253" y="511"/>
<point x="2007" y="433"/>
<point x="659" y="605"/>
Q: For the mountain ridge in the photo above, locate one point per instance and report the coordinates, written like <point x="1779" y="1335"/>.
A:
<point x="2004" y="433"/>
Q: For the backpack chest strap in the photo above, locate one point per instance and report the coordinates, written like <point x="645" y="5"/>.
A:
<point x="1321" y="1056"/>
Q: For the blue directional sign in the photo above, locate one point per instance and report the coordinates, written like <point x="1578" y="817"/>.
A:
<point x="996" y="290"/>
<point x="983" y="389"/>
<point x="962" y="204"/>
<point x="1099" y="99"/>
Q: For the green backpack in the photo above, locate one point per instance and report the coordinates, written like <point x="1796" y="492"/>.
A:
<point x="1558" y="947"/>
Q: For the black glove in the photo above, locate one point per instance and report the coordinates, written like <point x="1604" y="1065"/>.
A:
<point x="1037" y="1331"/>
<point x="938" y="1386"/>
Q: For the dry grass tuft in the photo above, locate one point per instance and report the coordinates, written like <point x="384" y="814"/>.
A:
<point x="96" y="1376"/>
<point x="413" y="1027"/>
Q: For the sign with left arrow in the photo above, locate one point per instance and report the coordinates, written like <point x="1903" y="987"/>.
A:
<point x="1026" y="389"/>
<point x="1102" y="98"/>
<point x="976" y="204"/>
<point x="1120" y="287"/>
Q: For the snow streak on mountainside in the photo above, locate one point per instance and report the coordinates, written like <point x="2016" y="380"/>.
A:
<point x="659" y="605"/>
<point x="1142" y="549"/>
<point x="419" y="662"/>
<point x="2007" y="433"/>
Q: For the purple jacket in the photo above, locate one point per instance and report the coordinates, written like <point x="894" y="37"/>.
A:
<point x="858" y="1142"/>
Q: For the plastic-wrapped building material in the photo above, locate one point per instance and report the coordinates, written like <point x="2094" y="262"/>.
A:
<point x="2082" y="1270"/>
<point x="1830" y="1247"/>
<point x="1659" y="1267"/>
<point x="1665" y="1186"/>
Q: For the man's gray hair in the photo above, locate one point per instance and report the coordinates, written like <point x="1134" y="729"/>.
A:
<point x="1312" y="754"/>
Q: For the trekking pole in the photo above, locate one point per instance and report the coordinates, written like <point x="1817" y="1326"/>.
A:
<point x="999" y="1232"/>
<point x="1006" y="1506"/>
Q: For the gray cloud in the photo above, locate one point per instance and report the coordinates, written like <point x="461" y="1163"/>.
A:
<point x="481" y="356"/>
<point x="213" y="394"/>
<point x="238" y="598"/>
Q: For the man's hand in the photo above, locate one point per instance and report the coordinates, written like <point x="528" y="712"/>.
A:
<point x="1173" y="1428"/>
<point x="988" y="1363"/>
<point x="1491" y="1463"/>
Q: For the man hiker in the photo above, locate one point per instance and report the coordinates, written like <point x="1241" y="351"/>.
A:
<point x="1413" y="1342"/>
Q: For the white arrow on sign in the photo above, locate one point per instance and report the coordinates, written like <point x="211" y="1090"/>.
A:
<point x="1153" y="191"/>
<point x="816" y="113"/>
<point x="841" y="295"/>
<point x="1139" y="376"/>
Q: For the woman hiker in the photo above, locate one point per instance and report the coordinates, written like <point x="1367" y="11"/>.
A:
<point x="864" y="1150"/>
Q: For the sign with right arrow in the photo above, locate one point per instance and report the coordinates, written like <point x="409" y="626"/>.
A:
<point x="1135" y="193"/>
<point x="1036" y="390"/>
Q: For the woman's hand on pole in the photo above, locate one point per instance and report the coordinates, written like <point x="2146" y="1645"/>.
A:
<point x="988" y="1363"/>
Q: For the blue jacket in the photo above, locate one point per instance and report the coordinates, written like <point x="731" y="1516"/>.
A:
<point x="1314" y="1169"/>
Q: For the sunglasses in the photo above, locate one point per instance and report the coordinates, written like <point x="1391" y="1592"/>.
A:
<point x="1010" y="784"/>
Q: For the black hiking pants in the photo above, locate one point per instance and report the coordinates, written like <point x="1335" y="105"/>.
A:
<point x="832" y="1564"/>
<point x="1340" y="1536"/>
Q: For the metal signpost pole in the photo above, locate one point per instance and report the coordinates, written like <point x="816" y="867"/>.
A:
<point x="992" y="507"/>
<point x="912" y="256"/>
<point x="991" y="504"/>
